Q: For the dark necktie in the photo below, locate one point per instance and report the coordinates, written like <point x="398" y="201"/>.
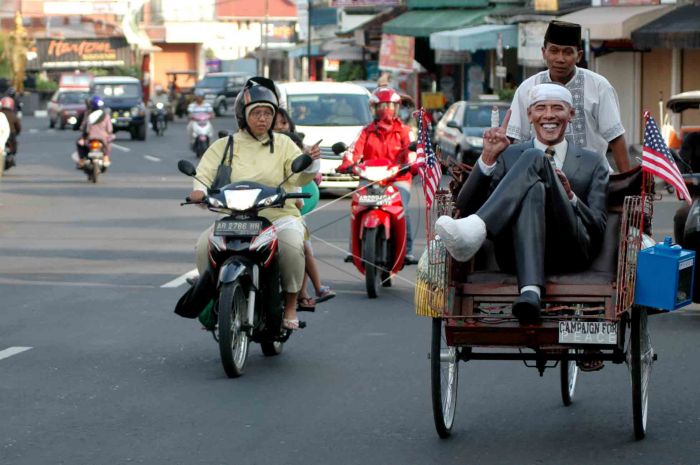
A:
<point x="550" y="152"/>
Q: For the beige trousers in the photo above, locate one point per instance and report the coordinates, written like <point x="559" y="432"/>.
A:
<point x="290" y="241"/>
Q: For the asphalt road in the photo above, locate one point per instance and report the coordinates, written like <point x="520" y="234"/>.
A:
<point x="113" y="376"/>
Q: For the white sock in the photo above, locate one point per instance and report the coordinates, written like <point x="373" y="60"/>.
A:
<point x="535" y="289"/>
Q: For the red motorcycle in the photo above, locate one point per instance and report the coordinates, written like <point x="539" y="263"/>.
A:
<point x="377" y="223"/>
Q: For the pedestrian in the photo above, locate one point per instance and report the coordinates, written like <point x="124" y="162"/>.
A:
<point x="596" y="124"/>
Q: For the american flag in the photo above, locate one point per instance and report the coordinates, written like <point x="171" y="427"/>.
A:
<point x="430" y="172"/>
<point x="657" y="159"/>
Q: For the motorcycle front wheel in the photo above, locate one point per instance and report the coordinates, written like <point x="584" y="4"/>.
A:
<point x="371" y="249"/>
<point x="233" y="341"/>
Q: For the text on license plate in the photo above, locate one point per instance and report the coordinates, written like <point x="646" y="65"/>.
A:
<point x="588" y="332"/>
<point x="237" y="228"/>
<point x="96" y="155"/>
<point x="375" y="199"/>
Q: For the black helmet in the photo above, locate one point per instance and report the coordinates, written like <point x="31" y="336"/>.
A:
<point x="11" y="91"/>
<point x="256" y="90"/>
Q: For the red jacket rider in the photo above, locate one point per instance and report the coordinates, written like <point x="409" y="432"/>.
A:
<point x="385" y="138"/>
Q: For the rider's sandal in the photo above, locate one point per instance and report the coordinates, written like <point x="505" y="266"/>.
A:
<point x="306" y="304"/>
<point x="290" y="324"/>
<point x="325" y="295"/>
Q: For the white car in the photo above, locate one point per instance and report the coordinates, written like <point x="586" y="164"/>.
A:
<point x="332" y="111"/>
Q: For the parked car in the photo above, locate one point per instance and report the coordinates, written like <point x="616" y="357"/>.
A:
<point x="124" y="97"/>
<point x="332" y="111"/>
<point x="66" y="108"/>
<point x="459" y="133"/>
<point x="221" y="89"/>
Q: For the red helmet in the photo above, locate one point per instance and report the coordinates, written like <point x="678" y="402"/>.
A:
<point x="7" y="102"/>
<point x="384" y="95"/>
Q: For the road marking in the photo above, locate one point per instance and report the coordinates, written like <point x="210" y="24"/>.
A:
<point x="41" y="114"/>
<point x="121" y="147"/>
<point x="180" y="280"/>
<point x="7" y="353"/>
<point x="33" y="131"/>
<point x="151" y="158"/>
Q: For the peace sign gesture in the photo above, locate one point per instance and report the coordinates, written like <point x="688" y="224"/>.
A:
<point x="495" y="141"/>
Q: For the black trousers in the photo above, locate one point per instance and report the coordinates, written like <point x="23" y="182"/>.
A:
<point x="534" y="224"/>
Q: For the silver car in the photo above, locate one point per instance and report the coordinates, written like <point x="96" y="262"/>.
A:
<point x="459" y="132"/>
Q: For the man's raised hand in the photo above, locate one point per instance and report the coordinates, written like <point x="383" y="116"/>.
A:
<point x="495" y="141"/>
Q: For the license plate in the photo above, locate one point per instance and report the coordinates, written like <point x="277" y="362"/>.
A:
<point x="95" y="155"/>
<point x="374" y="199"/>
<point x="588" y="332"/>
<point x="237" y="228"/>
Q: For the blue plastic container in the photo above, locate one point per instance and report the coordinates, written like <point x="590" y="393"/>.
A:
<point x="665" y="276"/>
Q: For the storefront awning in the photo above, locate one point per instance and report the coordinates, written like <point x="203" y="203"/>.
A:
<point x="302" y="51"/>
<point x="471" y="39"/>
<point x="615" y="22"/>
<point x="678" y="29"/>
<point x="422" y="23"/>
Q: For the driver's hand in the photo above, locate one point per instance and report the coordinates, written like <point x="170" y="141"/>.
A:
<point x="196" y="196"/>
<point x="314" y="152"/>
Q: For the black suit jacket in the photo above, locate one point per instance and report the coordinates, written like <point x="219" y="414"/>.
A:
<point x="588" y="176"/>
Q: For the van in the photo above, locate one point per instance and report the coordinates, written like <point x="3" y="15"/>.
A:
<point x="221" y="89"/>
<point x="332" y="111"/>
<point x="124" y="97"/>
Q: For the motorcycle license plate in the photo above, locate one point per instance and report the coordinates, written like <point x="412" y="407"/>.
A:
<point x="374" y="199"/>
<point x="95" y="155"/>
<point x="588" y="332"/>
<point x="237" y="228"/>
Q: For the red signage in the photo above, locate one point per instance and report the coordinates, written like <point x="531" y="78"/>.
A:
<point x="397" y="52"/>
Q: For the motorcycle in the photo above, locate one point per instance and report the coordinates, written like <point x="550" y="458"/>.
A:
<point x="200" y="133"/>
<point x="377" y="223"/>
<point x="159" y="121"/>
<point x="94" y="162"/>
<point x="244" y="270"/>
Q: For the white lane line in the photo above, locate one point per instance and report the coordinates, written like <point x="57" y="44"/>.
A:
<point x="33" y="131"/>
<point x="151" y="158"/>
<point x="121" y="147"/>
<point x="180" y="280"/>
<point x="41" y="114"/>
<point x="7" y="353"/>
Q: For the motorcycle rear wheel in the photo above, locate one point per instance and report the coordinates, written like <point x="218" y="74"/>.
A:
<point x="233" y="341"/>
<point x="95" y="173"/>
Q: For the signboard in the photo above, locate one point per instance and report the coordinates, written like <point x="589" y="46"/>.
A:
<point x="432" y="100"/>
<point x="83" y="53"/>
<point x="85" y="7"/>
<point x="397" y="52"/>
<point x="546" y="5"/>
<point x="501" y="71"/>
<point x="303" y="19"/>
<point x="332" y="65"/>
<point x="281" y="32"/>
<point x="530" y="43"/>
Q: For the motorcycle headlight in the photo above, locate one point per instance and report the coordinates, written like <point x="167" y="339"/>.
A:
<point x="475" y="141"/>
<point x="241" y="200"/>
<point x="159" y="105"/>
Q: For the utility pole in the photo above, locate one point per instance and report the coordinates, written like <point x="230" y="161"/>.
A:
<point x="308" y="43"/>
<point x="266" y="70"/>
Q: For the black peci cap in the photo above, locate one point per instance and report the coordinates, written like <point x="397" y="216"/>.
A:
<point x="563" y="33"/>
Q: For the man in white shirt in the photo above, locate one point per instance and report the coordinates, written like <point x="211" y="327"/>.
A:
<point x="596" y="125"/>
<point x="520" y="195"/>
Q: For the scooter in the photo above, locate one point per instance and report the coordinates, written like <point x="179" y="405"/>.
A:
<point x="94" y="163"/>
<point x="244" y="274"/>
<point x="201" y="129"/>
<point x="159" y="122"/>
<point x="377" y="223"/>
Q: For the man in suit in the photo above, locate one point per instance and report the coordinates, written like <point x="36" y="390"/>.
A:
<point x="543" y="201"/>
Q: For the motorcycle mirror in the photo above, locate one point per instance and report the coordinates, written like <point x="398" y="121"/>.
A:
<point x="412" y="146"/>
<point x="339" y="147"/>
<point x="301" y="162"/>
<point x="223" y="134"/>
<point x="186" y="167"/>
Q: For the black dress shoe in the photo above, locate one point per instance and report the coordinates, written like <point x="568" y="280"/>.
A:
<point x="526" y="307"/>
<point x="348" y="258"/>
